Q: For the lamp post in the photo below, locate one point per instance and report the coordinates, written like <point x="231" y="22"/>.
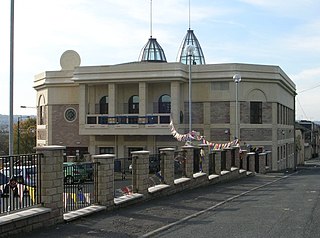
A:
<point x="190" y="51"/>
<point x="237" y="80"/>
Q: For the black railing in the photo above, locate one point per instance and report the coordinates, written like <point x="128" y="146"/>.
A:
<point x="128" y="119"/>
<point x="19" y="182"/>
<point x="79" y="187"/>
<point x="155" y="175"/>
<point x="212" y="165"/>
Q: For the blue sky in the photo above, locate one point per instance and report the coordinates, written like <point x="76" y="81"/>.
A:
<point x="284" y="33"/>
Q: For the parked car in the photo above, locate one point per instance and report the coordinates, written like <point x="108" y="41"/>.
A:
<point x="74" y="172"/>
<point x="89" y="170"/>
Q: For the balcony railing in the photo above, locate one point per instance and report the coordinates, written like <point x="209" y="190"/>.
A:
<point x="128" y="119"/>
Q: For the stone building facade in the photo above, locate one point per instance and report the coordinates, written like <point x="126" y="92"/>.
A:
<point x="126" y="107"/>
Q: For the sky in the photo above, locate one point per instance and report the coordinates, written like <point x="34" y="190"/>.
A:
<point x="285" y="33"/>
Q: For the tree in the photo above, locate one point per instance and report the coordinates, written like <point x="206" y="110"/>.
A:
<point x="4" y="142"/>
<point x="24" y="135"/>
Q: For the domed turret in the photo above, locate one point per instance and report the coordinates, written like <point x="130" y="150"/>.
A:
<point x="190" y="39"/>
<point x="152" y="52"/>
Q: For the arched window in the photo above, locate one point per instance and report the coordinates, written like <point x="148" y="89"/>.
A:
<point x="164" y="104"/>
<point x="103" y="105"/>
<point x="41" y="111"/>
<point x="133" y="104"/>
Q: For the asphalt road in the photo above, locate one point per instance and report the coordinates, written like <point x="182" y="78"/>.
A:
<point x="272" y="205"/>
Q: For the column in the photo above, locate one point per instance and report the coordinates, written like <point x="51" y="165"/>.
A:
<point x="140" y="171"/>
<point x="83" y="104"/>
<point x="167" y="155"/>
<point x="105" y="179"/>
<point x="143" y="98"/>
<point x="112" y="99"/>
<point x="52" y="180"/>
<point x="175" y="102"/>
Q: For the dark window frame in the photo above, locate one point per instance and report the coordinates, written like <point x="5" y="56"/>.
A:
<point x="104" y="105"/>
<point x="255" y="112"/>
<point x="164" y="104"/>
<point x="133" y="104"/>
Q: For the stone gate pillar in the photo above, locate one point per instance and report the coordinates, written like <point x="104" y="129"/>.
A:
<point x="217" y="161"/>
<point x="189" y="160"/>
<point x="105" y="179"/>
<point x="205" y="158"/>
<point x="140" y="171"/>
<point x="52" y="180"/>
<point x="167" y="155"/>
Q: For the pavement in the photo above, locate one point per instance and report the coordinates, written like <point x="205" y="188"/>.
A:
<point x="258" y="206"/>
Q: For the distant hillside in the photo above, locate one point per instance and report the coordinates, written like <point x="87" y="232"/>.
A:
<point x="4" y="120"/>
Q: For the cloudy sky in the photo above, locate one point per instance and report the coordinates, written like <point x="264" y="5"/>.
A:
<point x="284" y="33"/>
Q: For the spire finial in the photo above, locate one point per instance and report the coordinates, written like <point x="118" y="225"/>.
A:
<point x="150" y="18"/>
<point x="189" y="16"/>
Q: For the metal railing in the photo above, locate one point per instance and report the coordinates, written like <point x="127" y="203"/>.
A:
<point x="155" y="176"/>
<point x="79" y="186"/>
<point x="19" y="182"/>
<point x="97" y="119"/>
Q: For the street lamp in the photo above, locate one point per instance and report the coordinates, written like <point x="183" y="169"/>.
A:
<point x="190" y="52"/>
<point x="237" y="80"/>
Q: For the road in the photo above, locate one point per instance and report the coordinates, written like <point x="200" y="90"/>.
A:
<point x="272" y="205"/>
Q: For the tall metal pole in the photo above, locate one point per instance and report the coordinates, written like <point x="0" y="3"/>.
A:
<point x="237" y="79"/>
<point x="190" y="51"/>
<point x="11" y="79"/>
<point x="190" y="112"/>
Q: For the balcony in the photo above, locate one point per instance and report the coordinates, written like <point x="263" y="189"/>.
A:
<point x="126" y="124"/>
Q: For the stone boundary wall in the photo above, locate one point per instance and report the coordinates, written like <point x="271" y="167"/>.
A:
<point x="52" y="182"/>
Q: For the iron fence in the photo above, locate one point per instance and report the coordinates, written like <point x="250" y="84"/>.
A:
<point x="80" y="188"/>
<point x="19" y="182"/>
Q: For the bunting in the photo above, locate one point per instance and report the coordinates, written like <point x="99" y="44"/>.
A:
<point x="194" y="135"/>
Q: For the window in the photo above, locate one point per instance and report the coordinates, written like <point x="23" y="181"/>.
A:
<point x="219" y="86"/>
<point x="106" y="150"/>
<point x="103" y="105"/>
<point x="164" y="104"/>
<point x="70" y="114"/>
<point x="256" y="112"/>
<point x="133" y="107"/>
